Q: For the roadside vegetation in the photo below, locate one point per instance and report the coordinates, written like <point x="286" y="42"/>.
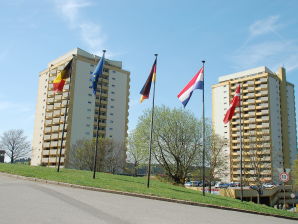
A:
<point x="135" y="185"/>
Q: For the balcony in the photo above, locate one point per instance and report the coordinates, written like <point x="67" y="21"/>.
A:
<point x="54" y="144"/>
<point x="45" y="152"/>
<point x="47" y="130"/>
<point x="46" y="145"/>
<point x="264" y="87"/>
<point x="50" y="101"/>
<point x="45" y="160"/>
<point x="53" y="159"/>
<point x="55" y="128"/>
<point x="46" y="137"/>
<point x="49" y="108"/>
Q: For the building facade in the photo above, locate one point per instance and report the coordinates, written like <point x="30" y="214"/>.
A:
<point x="80" y="122"/>
<point x="268" y="127"/>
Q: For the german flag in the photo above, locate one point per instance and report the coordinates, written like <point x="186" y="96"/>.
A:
<point x="59" y="81"/>
<point x="146" y="88"/>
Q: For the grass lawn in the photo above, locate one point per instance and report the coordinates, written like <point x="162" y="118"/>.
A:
<point x="135" y="185"/>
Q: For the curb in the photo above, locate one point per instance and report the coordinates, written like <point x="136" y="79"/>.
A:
<point x="152" y="197"/>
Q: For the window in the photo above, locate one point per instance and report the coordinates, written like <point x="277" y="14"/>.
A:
<point x="89" y="102"/>
<point x="113" y="85"/>
<point x="111" y="114"/>
<point x="111" y="121"/>
<point x="89" y="94"/>
<point x="114" y="78"/>
<point x="89" y="110"/>
<point x="112" y="106"/>
<point x="113" y="92"/>
<point x="112" y="99"/>
<point x="111" y="128"/>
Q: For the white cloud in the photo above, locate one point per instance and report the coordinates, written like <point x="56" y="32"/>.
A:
<point x="90" y="32"/>
<point x="291" y="62"/>
<point x="259" y="53"/>
<point x="264" y="26"/>
<point x="273" y="52"/>
<point x="70" y="9"/>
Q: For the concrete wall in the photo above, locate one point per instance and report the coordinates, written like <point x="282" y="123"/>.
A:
<point x="83" y="103"/>
<point x="117" y="106"/>
<point x="292" y="131"/>
<point x="37" y="140"/>
<point x="220" y="104"/>
<point x="275" y="126"/>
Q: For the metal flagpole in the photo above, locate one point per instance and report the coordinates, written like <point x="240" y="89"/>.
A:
<point x="241" y="184"/>
<point x="150" y="144"/>
<point x="203" y="129"/>
<point x="64" y="122"/>
<point x="97" y="128"/>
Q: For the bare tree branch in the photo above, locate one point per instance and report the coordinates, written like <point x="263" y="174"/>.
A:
<point x="15" y="144"/>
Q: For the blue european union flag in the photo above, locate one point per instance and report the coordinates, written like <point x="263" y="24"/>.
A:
<point x="97" y="73"/>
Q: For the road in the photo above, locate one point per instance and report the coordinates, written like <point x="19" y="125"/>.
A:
<point x="24" y="201"/>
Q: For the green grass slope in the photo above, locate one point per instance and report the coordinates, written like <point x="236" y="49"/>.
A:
<point x="135" y="185"/>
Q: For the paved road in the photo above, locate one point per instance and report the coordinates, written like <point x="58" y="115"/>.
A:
<point x="29" y="202"/>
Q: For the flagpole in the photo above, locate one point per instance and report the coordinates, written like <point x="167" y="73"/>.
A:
<point x="97" y="129"/>
<point x="64" y="122"/>
<point x="240" y="117"/>
<point x="151" y="130"/>
<point x="203" y="128"/>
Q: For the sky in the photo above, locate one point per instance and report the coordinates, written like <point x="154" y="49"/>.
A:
<point x="231" y="36"/>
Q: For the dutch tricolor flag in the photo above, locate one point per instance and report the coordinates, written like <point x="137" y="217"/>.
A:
<point x="197" y="82"/>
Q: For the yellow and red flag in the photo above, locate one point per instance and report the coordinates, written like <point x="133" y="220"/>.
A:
<point x="146" y="88"/>
<point x="59" y="81"/>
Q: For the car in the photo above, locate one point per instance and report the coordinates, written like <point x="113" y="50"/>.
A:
<point x="192" y="184"/>
<point x="268" y="185"/>
<point x="188" y="184"/>
<point x="221" y="185"/>
<point x="234" y="184"/>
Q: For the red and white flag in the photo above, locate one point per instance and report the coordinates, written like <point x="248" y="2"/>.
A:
<point x="235" y="103"/>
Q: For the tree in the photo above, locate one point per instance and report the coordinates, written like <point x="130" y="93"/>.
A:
<point x="259" y="167"/>
<point x="115" y="156"/>
<point x="137" y="152"/>
<point x="110" y="157"/>
<point x="15" y="144"/>
<point x="214" y="156"/>
<point x="81" y="155"/>
<point x="177" y="136"/>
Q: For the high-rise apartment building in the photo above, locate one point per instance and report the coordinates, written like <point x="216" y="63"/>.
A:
<point x="83" y="106"/>
<point x="268" y="124"/>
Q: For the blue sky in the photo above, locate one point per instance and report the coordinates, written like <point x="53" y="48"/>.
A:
<point x="230" y="35"/>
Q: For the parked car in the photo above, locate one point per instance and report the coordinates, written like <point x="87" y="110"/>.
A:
<point x="268" y="185"/>
<point x="192" y="184"/>
<point x="234" y="184"/>
<point x="221" y="185"/>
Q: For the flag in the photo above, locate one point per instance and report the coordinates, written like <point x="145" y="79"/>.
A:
<point x="59" y="81"/>
<point x="235" y="103"/>
<point x="146" y="88"/>
<point x="97" y="73"/>
<point x="197" y="82"/>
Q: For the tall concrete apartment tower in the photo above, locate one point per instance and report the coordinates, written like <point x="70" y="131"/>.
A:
<point x="83" y="107"/>
<point x="268" y="113"/>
